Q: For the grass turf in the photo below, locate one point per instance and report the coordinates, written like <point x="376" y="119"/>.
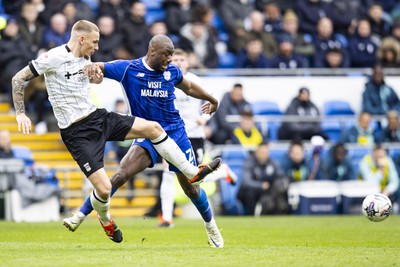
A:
<point x="262" y="241"/>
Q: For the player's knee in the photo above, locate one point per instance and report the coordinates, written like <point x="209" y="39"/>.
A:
<point x="192" y="192"/>
<point x="104" y="191"/>
<point x="154" y="130"/>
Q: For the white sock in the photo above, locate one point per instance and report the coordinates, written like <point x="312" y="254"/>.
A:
<point x="101" y="206"/>
<point x="171" y="152"/>
<point x="167" y="193"/>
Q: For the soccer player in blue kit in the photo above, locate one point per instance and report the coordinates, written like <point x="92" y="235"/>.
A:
<point x="149" y="85"/>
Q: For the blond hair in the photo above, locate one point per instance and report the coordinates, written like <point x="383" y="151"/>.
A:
<point x="84" y="26"/>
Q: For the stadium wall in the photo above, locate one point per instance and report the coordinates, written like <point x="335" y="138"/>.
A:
<point x="278" y="89"/>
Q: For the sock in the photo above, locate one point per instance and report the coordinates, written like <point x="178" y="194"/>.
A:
<point x="167" y="193"/>
<point x="87" y="207"/>
<point x="101" y="206"/>
<point x="171" y="152"/>
<point x="203" y="206"/>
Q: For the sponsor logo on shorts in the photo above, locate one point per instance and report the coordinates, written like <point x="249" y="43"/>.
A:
<point x="87" y="167"/>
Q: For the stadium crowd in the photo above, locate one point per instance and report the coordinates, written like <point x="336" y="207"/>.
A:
<point x="280" y="34"/>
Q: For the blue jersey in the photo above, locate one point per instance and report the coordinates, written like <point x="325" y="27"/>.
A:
<point x="150" y="94"/>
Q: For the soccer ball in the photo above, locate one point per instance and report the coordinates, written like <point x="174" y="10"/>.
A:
<point x="376" y="207"/>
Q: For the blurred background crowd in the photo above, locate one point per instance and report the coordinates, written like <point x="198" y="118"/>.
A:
<point x="245" y="34"/>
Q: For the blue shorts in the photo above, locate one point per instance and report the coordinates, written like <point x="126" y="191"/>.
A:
<point x="182" y="140"/>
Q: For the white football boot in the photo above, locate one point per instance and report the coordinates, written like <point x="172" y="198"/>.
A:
<point x="72" y="223"/>
<point x="214" y="236"/>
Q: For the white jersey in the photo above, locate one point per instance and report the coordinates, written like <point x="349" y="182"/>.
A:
<point x="67" y="86"/>
<point x="190" y="109"/>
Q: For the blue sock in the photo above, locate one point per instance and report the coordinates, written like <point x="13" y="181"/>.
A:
<point x="202" y="206"/>
<point x="87" y="208"/>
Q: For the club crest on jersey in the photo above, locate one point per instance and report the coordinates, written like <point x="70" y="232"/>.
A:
<point x="167" y="75"/>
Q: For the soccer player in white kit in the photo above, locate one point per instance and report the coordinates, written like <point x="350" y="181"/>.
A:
<point x="190" y="111"/>
<point x="84" y="128"/>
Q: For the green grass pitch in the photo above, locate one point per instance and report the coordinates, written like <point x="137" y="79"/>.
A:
<point x="262" y="241"/>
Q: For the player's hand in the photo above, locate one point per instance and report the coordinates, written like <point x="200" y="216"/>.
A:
<point x="94" y="73"/>
<point x="24" y="123"/>
<point x="209" y="108"/>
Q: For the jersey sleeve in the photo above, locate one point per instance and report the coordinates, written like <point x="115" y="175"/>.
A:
<point x="116" y="69"/>
<point x="46" y="62"/>
<point x="178" y="75"/>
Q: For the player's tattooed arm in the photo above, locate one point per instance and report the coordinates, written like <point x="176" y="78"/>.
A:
<point x="18" y="84"/>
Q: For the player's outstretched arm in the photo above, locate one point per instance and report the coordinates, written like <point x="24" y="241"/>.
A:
<point x="194" y="90"/>
<point x="95" y="72"/>
<point x="18" y="85"/>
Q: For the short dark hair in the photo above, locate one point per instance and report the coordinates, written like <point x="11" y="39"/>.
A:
<point x="238" y="85"/>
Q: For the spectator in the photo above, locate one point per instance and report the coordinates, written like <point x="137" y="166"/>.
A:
<point x="302" y="43"/>
<point x="334" y="58"/>
<point x="5" y="145"/>
<point x="299" y="129"/>
<point x="361" y="133"/>
<point x="363" y="46"/>
<point x="282" y="4"/>
<point x="71" y="14"/>
<point x="178" y="13"/>
<point x="377" y="167"/>
<point x="30" y="28"/>
<point x="378" y="97"/>
<point x="273" y="19"/>
<point x="338" y="166"/>
<point x="117" y="9"/>
<point x="133" y="29"/>
<point x="310" y="12"/>
<point x="391" y="133"/>
<point x="380" y="24"/>
<point x="219" y="129"/>
<point x="29" y="185"/>
<point x="350" y="12"/>
<point x="110" y="44"/>
<point x="196" y="36"/>
<point x="326" y="40"/>
<point x="157" y="27"/>
<point x="261" y="177"/>
<point x="396" y="29"/>
<point x="316" y="164"/>
<point x="388" y="53"/>
<point x="57" y="33"/>
<point x="247" y="134"/>
<point x="14" y="54"/>
<point x="286" y="57"/>
<point x="252" y="56"/>
<point x="256" y="31"/>
<point x="294" y="164"/>
<point x="204" y="14"/>
<point x="233" y="13"/>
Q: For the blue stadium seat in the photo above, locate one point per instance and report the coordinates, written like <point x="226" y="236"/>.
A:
<point x="216" y="22"/>
<point x="355" y="154"/>
<point x="277" y="154"/>
<point x="23" y="153"/>
<point x="231" y="205"/>
<point x="227" y="60"/>
<point x="337" y="107"/>
<point x="153" y="4"/>
<point x="234" y="153"/>
<point x="273" y="129"/>
<point x="153" y="15"/>
<point x="265" y="107"/>
<point x="332" y="129"/>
